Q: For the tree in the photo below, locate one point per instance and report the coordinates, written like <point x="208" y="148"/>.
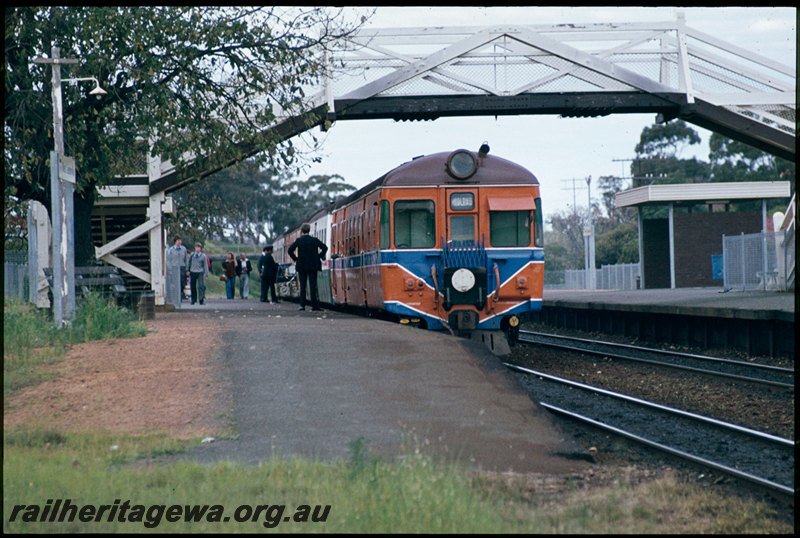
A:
<point x="618" y="245"/>
<point x="255" y="203"/>
<point x="658" y="156"/>
<point x="297" y="200"/>
<point x="609" y="187"/>
<point x="564" y="241"/>
<point x="198" y="81"/>
<point x="665" y="140"/>
<point x="736" y="161"/>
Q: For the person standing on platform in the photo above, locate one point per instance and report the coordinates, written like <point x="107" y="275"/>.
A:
<point x="269" y="273"/>
<point x="244" y="275"/>
<point x="308" y="252"/>
<point x="198" y="273"/>
<point x="201" y="284"/>
<point x="229" y="270"/>
<point x="175" y="261"/>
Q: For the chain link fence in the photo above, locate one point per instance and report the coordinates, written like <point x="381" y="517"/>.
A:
<point x="761" y="261"/>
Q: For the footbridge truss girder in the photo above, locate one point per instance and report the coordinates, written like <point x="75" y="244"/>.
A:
<point x="571" y="70"/>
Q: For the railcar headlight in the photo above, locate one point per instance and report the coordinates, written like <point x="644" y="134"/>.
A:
<point x="461" y="164"/>
<point x="463" y="280"/>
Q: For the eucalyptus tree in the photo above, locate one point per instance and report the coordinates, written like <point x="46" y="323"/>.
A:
<point x="735" y="161"/>
<point x="255" y="203"/>
<point x="192" y="81"/>
<point x="658" y="156"/>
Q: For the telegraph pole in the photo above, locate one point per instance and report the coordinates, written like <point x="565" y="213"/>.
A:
<point x="61" y="204"/>
<point x="62" y="189"/>
<point x="588" y="235"/>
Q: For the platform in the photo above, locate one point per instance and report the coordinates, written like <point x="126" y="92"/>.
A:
<point x="311" y="383"/>
<point x="758" y="322"/>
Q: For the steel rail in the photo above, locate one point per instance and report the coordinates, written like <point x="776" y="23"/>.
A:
<point x="685" y="455"/>
<point x="680" y="412"/>
<point x="667" y="352"/>
<point x="524" y="337"/>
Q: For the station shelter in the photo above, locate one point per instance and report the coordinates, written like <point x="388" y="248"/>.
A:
<point x="681" y="226"/>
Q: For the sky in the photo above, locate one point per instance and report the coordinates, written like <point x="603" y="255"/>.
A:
<point x="561" y="152"/>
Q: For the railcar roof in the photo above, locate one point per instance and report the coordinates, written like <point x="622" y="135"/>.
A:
<point x="428" y="170"/>
<point x="432" y="170"/>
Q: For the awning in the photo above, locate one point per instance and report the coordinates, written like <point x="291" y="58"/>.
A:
<point x="521" y="203"/>
<point x="702" y="193"/>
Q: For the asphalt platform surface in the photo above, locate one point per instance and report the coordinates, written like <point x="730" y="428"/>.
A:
<point x="714" y="302"/>
<point x="310" y="384"/>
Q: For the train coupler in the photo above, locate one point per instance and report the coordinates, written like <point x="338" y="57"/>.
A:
<point x="463" y="320"/>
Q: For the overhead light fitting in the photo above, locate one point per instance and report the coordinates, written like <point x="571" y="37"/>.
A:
<point x="97" y="91"/>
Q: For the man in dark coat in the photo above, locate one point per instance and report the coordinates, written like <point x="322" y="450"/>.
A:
<point x="269" y="272"/>
<point x="308" y="252"/>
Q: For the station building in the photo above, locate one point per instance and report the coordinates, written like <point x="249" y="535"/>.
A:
<point x="681" y="226"/>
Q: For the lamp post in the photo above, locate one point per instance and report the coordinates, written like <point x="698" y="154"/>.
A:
<point x="591" y="280"/>
<point x="62" y="179"/>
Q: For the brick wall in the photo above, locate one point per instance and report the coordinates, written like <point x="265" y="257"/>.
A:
<point x="698" y="236"/>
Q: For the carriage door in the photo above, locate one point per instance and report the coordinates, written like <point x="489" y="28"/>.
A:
<point x="462" y="216"/>
<point x="362" y="236"/>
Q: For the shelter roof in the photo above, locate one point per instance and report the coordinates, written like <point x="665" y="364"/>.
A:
<point x="703" y="193"/>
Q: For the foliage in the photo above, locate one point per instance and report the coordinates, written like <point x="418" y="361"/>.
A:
<point x="298" y="200"/>
<point x="196" y="81"/>
<point x="609" y="186"/>
<point x="97" y="318"/>
<point x="666" y="140"/>
<point x="619" y="245"/>
<point x="29" y="340"/>
<point x="256" y="204"/>
<point x="735" y="161"/>
<point x="663" y="170"/>
<point x="658" y="156"/>
<point x="564" y="241"/>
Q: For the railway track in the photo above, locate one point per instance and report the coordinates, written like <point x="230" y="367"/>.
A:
<point x="741" y="371"/>
<point x="756" y="457"/>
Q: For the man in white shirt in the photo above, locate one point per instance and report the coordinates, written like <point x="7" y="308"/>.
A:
<point x="176" y="271"/>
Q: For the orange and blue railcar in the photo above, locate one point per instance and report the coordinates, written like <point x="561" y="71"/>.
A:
<point x="451" y="240"/>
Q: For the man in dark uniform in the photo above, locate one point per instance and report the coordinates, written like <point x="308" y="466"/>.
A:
<point x="269" y="272"/>
<point x="308" y="252"/>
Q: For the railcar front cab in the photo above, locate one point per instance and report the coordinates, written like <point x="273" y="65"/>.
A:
<point x="470" y="278"/>
<point x="471" y="273"/>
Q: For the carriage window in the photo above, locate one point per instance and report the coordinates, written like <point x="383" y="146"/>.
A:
<point x="414" y="224"/>
<point x="538" y="225"/>
<point x="510" y="228"/>
<point x="385" y="243"/>
<point x="462" y="228"/>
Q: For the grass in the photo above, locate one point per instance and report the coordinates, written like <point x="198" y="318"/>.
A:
<point x="364" y="494"/>
<point x="31" y="340"/>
